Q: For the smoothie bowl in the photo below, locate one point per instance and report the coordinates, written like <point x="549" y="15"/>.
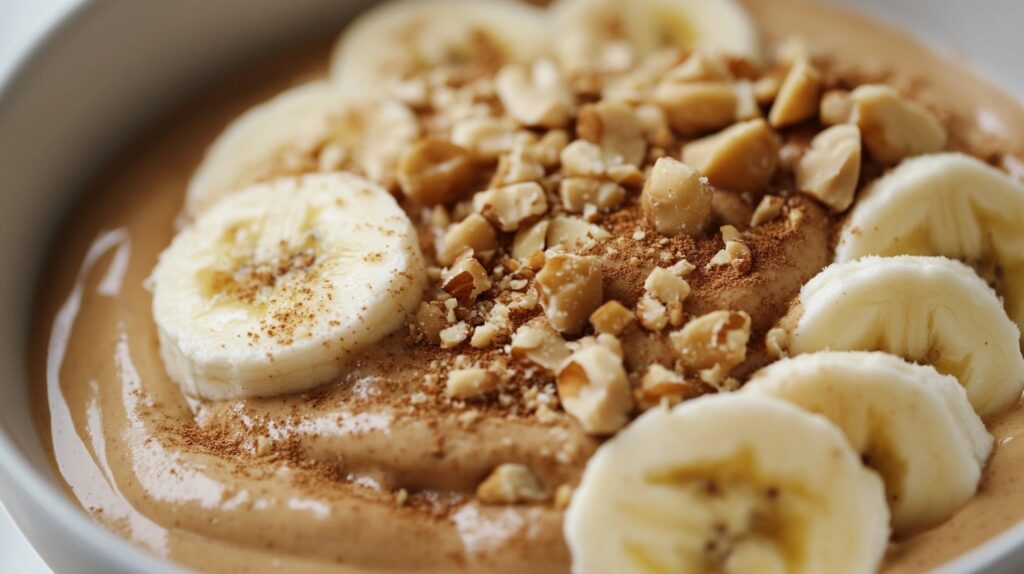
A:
<point x="585" y="286"/>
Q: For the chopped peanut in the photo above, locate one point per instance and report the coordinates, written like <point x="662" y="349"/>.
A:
<point x="652" y="314"/>
<point x="511" y="483"/>
<point x="747" y="106"/>
<point x="742" y="157"/>
<point x="530" y="240"/>
<point x="578" y="192"/>
<point x="466" y="279"/>
<point x="767" y="210"/>
<point x="538" y="343"/>
<point x="548" y="150"/>
<point x="797" y="99"/>
<point x="776" y="341"/>
<point x="518" y="166"/>
<point x="474" y="233"/>
<point x="594" y="389"/>
<point x="611" y="318"/>
<point x="718" y="339"/>
<point x="435" y="171"/>
<point x="697" y="108"/>
<point x="486" y="137"/>
<point x="571" y="232"/>
<point x="536" y="96"/>
<point x="454" y="336"/>
<point x="513" y="205"/>
<point x="484" y="336"/>
<point x="660" y="385"/>
<point x="665" y="286"/>
<point x="766" y="89"/>
<point x="836" y="107"/>
<point x="701" y="67"/>
<point x="736" y="255"/>
<point x="583" y="159"/>
<point x="570" y="290"/>
<point x="676" y="199"/>
<point x="471" y="382"/>
<point x="616" y="129"/>
<point x="831" y="167"/>
<point x="894" y="128"/>
<point x="428" y="321"/>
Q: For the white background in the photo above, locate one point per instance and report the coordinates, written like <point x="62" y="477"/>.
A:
<point x="21" y="23"/>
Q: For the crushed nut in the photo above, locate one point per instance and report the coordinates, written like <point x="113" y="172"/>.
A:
<point x="747" y="106"/>
<point x="766" y="89"/>
<point x="652" y="314"/>
<point x="742" y="157"/>
<point x="484" y="336"/>
<point x="583" y="159"/>
<point x="518" y="166"/>
<point x="777" y="342"/>
<point x="797" y="99"/>
<point x="469" y="383"/>
<point x="466" y="279"/>
<point x="594" y="389"/>
<point x="513" y="205"/>
<point x="454" y="336"/>
<point x="569" y="232"/>
<point x="563" y="496"/>
<point x="831" y="167"/>
<point x="486" y="137"/>
<point x="530" y="240"/>
<point x="536" y="96"/>
<point x="836" y="107"/>
<point x="665" y="286"/>
<point x="435" y="171"/>
<point x="769" y="208"/>
<point x="661" y="385"/>
<point x="474" y="233"/>
<point x="538" y="343"/>
<point x="699" y="107"/>
<point x="701" y="67"/>
<point x="676" y="199"/>
<point x="736" y="255"/>
<point x="612" y="318"/>
<point x="894" y="128"/>
<point x="569" y="287"/>
<point x="428" y="321"/>
<point x="579" y="192"/>
<point x="717" y="340"/>
<point x="616" y="129"/>
<point x="511" y="483"/>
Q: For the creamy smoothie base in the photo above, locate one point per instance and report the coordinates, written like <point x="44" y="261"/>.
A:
<point x="377" y="471"/>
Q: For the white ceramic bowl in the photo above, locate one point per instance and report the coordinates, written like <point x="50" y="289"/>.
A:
<point x="109" y="68"/>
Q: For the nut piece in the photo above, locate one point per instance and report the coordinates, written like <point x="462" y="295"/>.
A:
<point x="466" y="279"/>
<point x="510" y="206"/>
<point x="454" y="336"/>
<point x="579" y="192"/>
<point x="735" y="254"/>
<point x="530" y="240"/>
<point x="717" y="341"/>
<point x="767" y="210"/>
<point x="471" y="233"/>
<point x="472" y="382"/>
<point x="486" y="137"/>
<point x="666" y="286"/>
<point x="676" y="199"/>
<point x="435" y="171"/>
<point x="831" y="167"/>
<point x="652" y="314"/>
<point x="569" y="287"/>
<point x="594" y="389"/>
<point x="518" y="166"/>
<point x="569" y="232"/>
<point x="894" y="128"/>
<point x="428" y="321"/>
<point x="612" y="318"/>
<point x="616" y="128"/>
<point x="538" y="343"/>
<point x="697" y="108"/>
<point x="836" y="107"/>
<point x="536" y="96"/>
<point x="583" y="159"/>
<point x="740" y="158"/>
<point x="798" y="96"/>
<point x="661" y="385"/>
<point x="511" y="483"/>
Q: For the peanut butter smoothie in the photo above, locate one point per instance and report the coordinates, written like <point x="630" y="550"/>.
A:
<point x="598" y="286"/>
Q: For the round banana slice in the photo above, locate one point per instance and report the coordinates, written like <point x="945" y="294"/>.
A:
<point x="728" y="483"/>
<point x="925" y="309"/>
<point x="591" y="33"/>
<point x="306" y="129"/>
<point x="401" y="39"/>
<point x="946" y="204"/>
<point x="276" y="288"/>
<point x="910" y="423"/>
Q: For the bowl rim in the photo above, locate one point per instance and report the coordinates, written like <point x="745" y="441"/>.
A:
<point x="31" y="481"/>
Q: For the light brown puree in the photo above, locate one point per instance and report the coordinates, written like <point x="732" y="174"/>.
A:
<point x="124" y="439"/>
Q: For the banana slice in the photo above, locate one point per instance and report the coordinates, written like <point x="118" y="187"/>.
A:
<point x="925" y="309"/>
<point x="910" y="423"/>
<point x="945" y="204"/>
<point x="306" y="129"/>
<point x="401" y="39"/>
<point x="728" y="483"/>
<point x="591" y="34"/>
<point x="277" y="287"/>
